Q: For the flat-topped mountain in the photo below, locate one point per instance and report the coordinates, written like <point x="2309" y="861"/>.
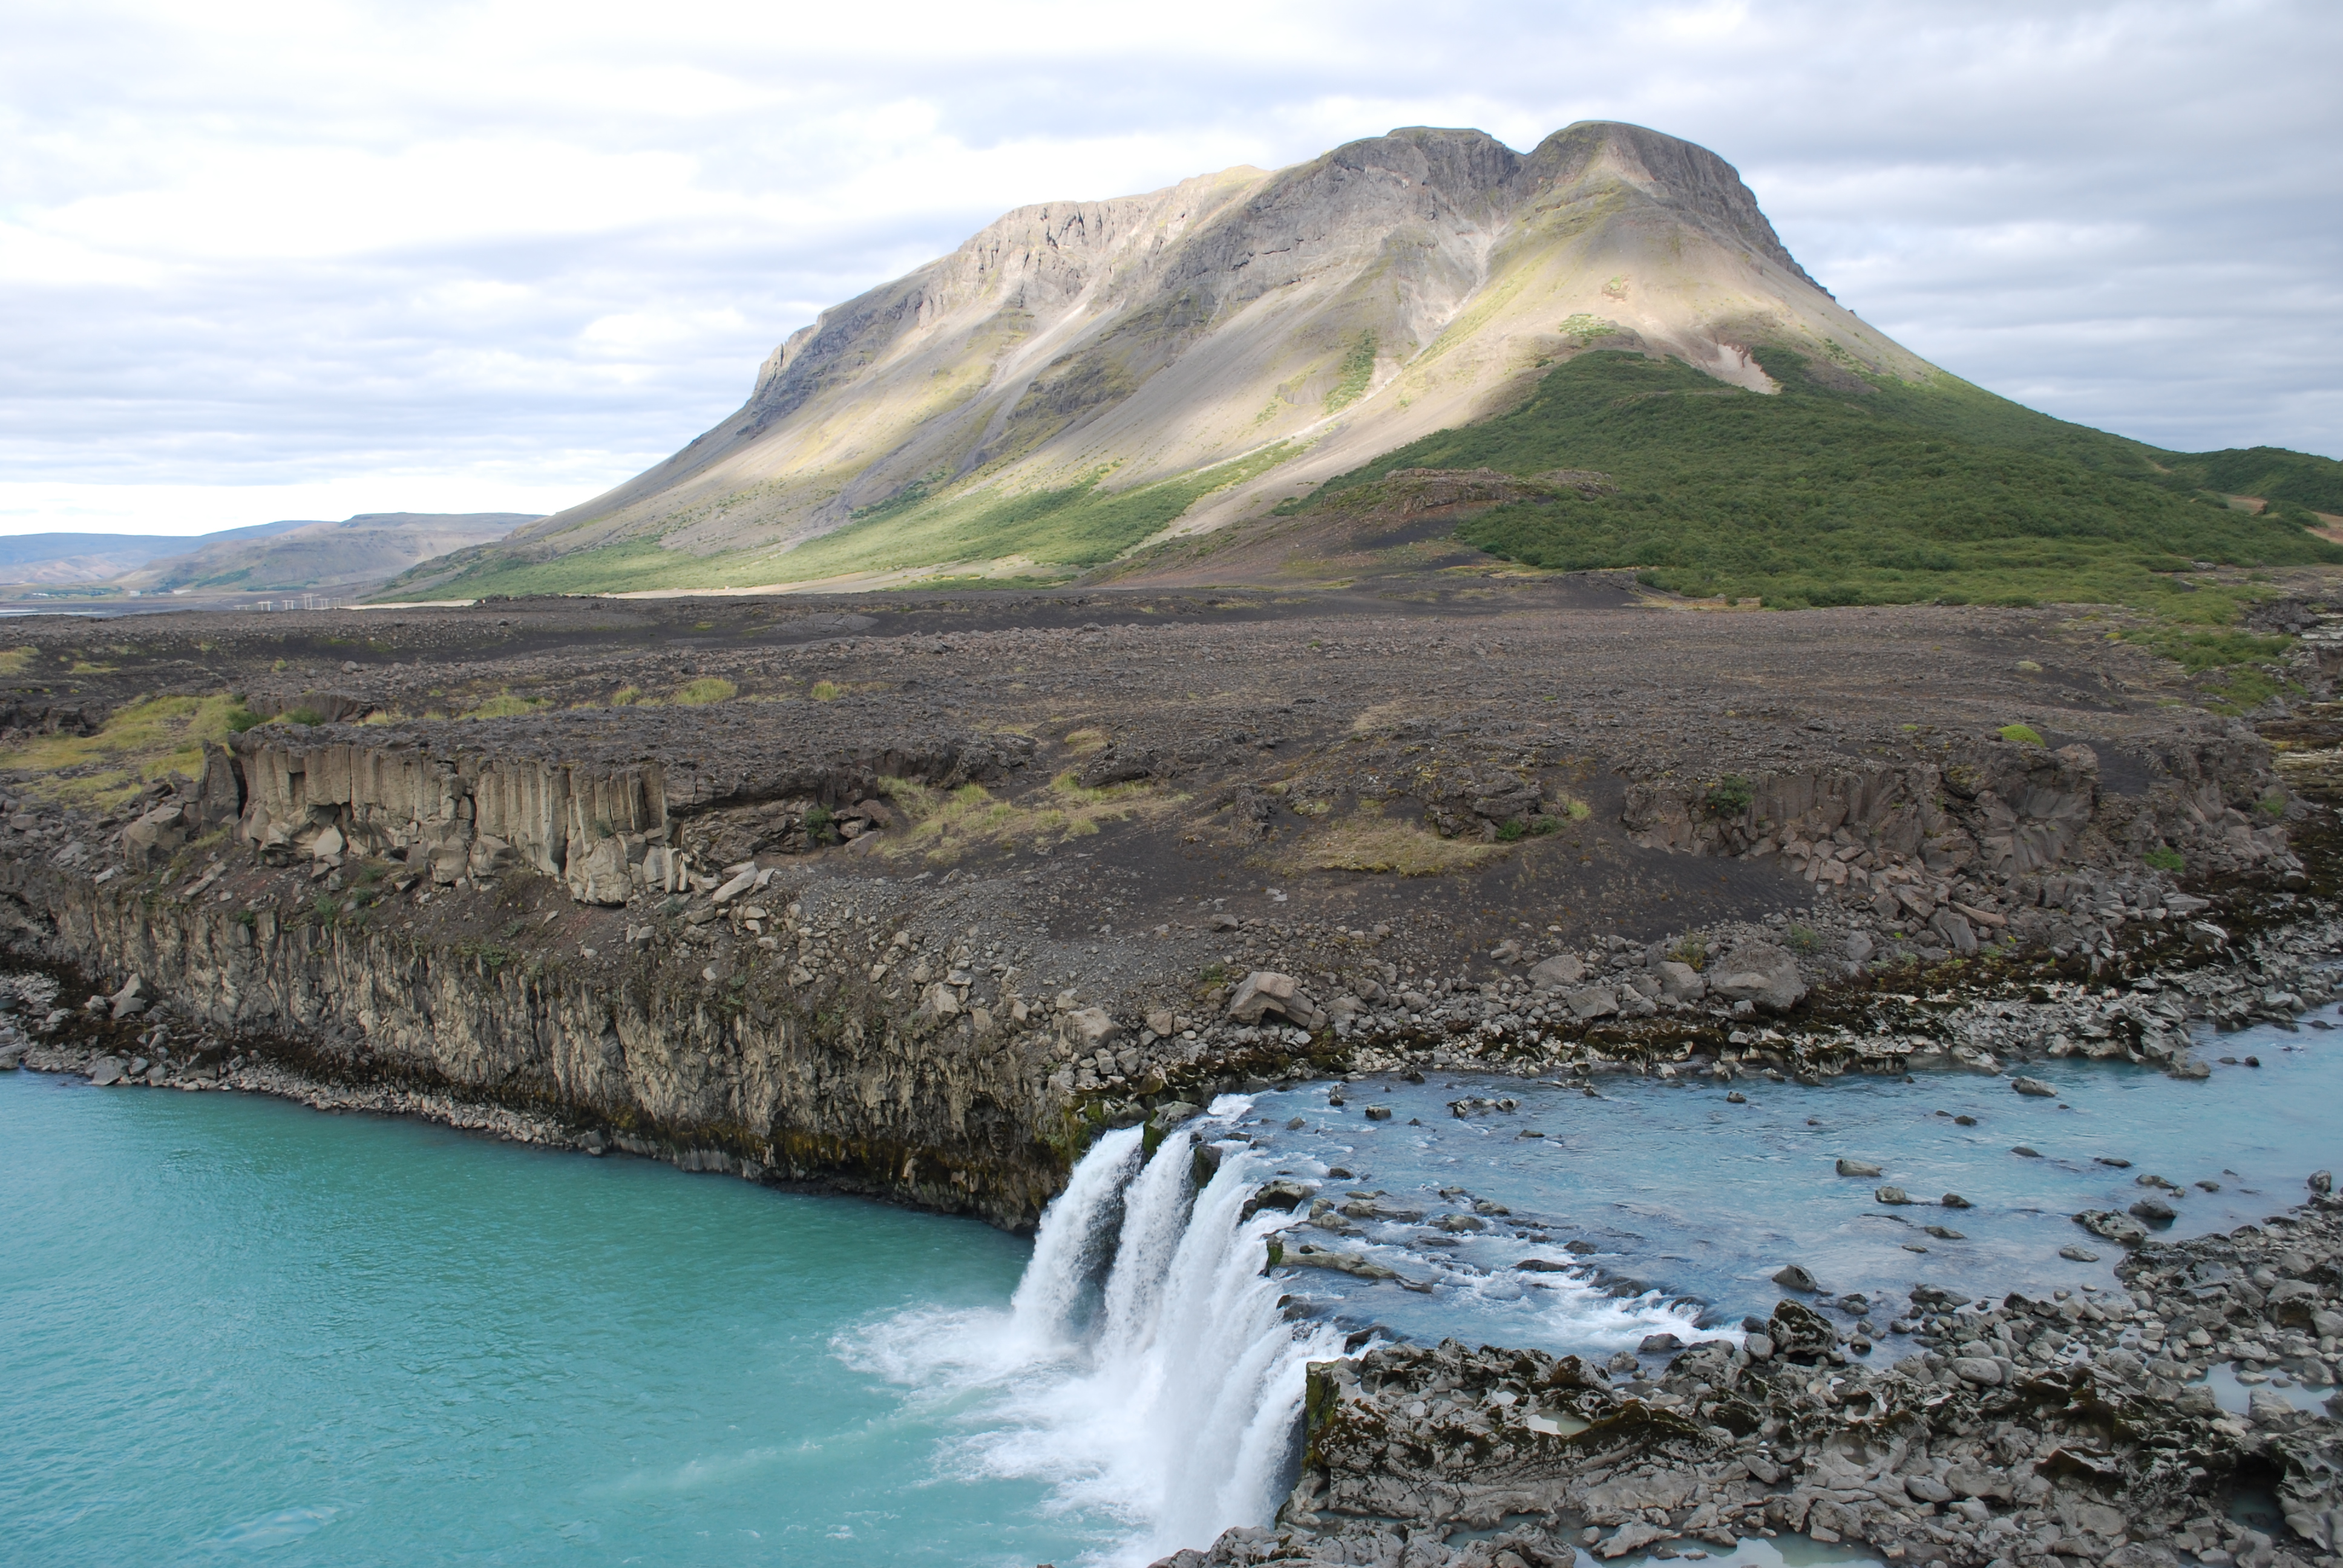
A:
<point x="1081" y="374"/>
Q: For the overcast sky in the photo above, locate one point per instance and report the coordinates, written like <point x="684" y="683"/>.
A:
<point x="260" y="261"/>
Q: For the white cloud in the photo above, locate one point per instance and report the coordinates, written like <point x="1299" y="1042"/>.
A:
<point x="505" y="249"/>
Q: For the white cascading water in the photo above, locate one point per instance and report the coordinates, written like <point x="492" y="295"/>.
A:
<point x="1143" y="1369"/>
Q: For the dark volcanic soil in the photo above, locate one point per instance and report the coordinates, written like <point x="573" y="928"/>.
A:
<point x="1243" y="731"/>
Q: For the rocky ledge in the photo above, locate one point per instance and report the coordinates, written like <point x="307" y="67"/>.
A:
<point x="2029" y="1433"/>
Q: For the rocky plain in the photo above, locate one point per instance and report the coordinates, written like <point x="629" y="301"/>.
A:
<point x="911" y="895"/>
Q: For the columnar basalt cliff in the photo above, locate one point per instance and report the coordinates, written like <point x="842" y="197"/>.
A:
<point x="916" y="913"/>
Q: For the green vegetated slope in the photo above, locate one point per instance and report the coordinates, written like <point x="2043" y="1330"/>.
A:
<point x="1059" y="531"/>
<point x="1862" y="491"/>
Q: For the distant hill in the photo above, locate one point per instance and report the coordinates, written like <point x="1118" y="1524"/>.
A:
<point x="358" y="552"/>
<point x="102" y="557"/>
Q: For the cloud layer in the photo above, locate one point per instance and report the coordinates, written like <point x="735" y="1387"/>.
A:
<point x="271" y="260"/>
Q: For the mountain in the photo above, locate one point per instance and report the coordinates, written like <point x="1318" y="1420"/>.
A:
<point x="1125" y="386"/>
<point x="1079" y="374"/>
<point x="101" y="558"/>
<point x="361" y="552"/>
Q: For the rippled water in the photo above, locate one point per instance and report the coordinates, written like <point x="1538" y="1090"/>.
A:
<point x="1673" y="1187"/>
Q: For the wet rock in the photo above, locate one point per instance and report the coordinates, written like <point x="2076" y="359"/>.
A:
<point x="1791" y="1276"/>
<point x="1284" y="1193"/>
<point x="2109" y="1226"/>
<point x="2033" y="1086"/>
<point x="1856" y="1167"/>
<point x="1172" y="1113"/>
<point x="1955" y="1200"/>
<point x="1798" y="1331"/>
<point x="2075" y="1255"/>
<point x="1892" y="1196"/>
<point x="1631" y="1537"/>
<point x="1977" y="1370"/>
<point x="1308" y="1256"/>
<point x="2154" y="1210"/>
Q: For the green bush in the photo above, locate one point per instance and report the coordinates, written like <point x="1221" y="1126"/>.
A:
<point x="1728" y="797"/>
<point x="1510" y="830"/>
<point x="1800" y="939"/>
<point x="2024" y="734"/>
<point x="2164" y="858"/>
<point x="309" y="716"/>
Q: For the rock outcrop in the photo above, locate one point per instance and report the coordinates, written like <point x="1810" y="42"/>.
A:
<point x="2022" y="1431"/>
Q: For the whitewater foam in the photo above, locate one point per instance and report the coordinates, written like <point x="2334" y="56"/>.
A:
<point x="1143" y="1371"/>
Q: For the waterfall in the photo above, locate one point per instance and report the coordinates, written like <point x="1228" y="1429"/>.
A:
<point x="1068" y="1250"/>
<point x="1144" y="1370"/>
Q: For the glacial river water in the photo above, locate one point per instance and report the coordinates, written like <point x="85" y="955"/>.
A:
<point x="238" y="1331"/>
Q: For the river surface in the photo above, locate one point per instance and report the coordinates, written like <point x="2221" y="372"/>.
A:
<point x="238" y="1331"/>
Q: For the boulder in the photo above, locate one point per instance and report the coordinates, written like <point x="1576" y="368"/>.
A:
<point x="1977" y="1370"/>
<point x="1680" y="982"/>
<point x="1553" y="973"/>
<point x="1760" y="973"/>
<point x="1892" y="1196"/>
<point x="1591" y="1003"/>
<point x="130" y="1001"/>
<point x="1264" y="991"/>
<point x="2033" y="1086"/>
<point x="1791" y="1276"/>
<point x="1086" y="1028"/>
<point x="598" y="874"/>
<point x="1798" y="1331"/>
<point x="1856" y="1167"/>
<point x="106" y="1070"/>
<point x="153" y="837"/>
